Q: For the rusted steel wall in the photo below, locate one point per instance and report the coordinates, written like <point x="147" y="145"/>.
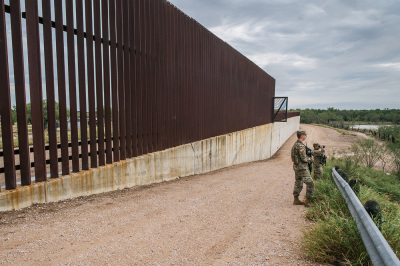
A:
<point x="293" y="114"/>
<point x="121" y="78"/>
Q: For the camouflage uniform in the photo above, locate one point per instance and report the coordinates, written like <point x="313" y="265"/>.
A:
<point x="318" y="155"/>
<point x="300" y="167"/>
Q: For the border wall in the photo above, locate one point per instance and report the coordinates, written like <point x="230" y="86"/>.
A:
<point x="140" y="77"/>
<point x="252" y="144"/>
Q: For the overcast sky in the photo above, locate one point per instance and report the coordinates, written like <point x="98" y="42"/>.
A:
<point x="342" y="54"/>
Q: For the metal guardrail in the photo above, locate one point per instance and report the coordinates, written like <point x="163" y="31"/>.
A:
<point x="377" y="247"/>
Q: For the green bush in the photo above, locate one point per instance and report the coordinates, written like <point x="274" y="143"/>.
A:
<point x="366" y="151"/>
<point x="395" y="149"/>
<point x="389" y="133"/>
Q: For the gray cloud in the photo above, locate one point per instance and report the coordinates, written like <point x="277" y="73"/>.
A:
<point x="343" y="54"/>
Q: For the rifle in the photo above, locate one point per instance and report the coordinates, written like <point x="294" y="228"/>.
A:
<point x="324" y="160"/>
<point x="309" y="154"/>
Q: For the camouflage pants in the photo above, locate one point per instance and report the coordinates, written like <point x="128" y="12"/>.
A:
<point x="303" y="176"/>
<point x="318" y="172"/>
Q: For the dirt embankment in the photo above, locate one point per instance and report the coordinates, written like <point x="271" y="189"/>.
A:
<point x="240" y="215"/>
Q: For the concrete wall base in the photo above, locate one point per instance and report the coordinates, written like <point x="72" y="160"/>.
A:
<point x="253" y="144"/>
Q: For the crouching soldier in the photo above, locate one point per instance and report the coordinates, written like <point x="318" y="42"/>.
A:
<point x="301" y="170"/>
<point x="318" y="153"/>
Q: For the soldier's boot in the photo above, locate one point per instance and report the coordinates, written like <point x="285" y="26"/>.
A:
<point x="297" y="201"/>
<point x="307" y="202"/>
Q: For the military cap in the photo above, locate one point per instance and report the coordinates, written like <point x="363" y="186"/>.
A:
<point x="301" y="132"/>
<point x="316" y="145"/>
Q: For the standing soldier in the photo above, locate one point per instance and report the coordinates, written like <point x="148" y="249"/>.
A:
<point x="302" y="173"/>
<point x="318" y="154"/>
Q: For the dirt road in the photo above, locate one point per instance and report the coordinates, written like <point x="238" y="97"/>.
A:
<point x="240" y="215"/>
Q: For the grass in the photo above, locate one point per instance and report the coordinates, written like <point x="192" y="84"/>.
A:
<point x="334" y="235"/>
<point x="387" y="184"/>
<point x="341" y="131"/>
<point x="378" y="180"/>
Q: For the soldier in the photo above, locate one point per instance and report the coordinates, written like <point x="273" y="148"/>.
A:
<point x="302" y="173"/>
<point x="318" y="154"/>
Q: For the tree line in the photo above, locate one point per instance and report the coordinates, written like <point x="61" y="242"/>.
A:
<point x="29" y="116"/>
<point x="332" y="115"/>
